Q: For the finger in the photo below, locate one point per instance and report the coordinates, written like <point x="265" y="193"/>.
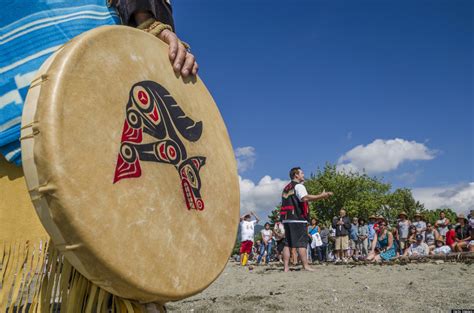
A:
<point x="195" y="68"/>
<point x="180" y="56"/>
<point x="188" y="64"/>
<point x="174" y="45"/>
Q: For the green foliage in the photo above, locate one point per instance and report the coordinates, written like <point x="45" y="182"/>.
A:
<point x="433" y="215"/>
<point x="361" y="195"/>
<point x="274" y="215"/>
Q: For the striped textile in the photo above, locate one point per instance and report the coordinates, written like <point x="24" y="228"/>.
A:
<point x="30" y="31"/>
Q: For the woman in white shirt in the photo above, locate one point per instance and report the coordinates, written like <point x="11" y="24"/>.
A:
<point x="266" y="245"/>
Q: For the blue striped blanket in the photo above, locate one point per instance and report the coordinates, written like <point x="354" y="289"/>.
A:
<point x="30" y="31"/>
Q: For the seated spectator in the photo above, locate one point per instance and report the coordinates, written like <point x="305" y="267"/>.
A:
<point x="440" y="248"/>
<point x="411" y="236"/>
<point x="383" y="246"/>
<point x="463" y="234"/>
<point x="419" y="248"/>
<point x="470" y="245"/>
<point x="470" y="217"/>
<point x="430" y="235"/>
<point x="395" y="237"/>
<point x="450" y="237"/>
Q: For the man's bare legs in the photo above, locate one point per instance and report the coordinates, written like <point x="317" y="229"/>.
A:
<point x="286" y="258"/>
<point x="303" y="257"/>
<point x="294" y="256"/>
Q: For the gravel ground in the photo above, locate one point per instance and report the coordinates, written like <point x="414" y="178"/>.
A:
<point x="414" y="287"/>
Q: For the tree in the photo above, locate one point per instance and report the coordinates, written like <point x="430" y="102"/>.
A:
<point x="274" y="215"/>
<point x="433" y="215"/>
<point x="360" y="194"/>
<point x="398" y="201"/>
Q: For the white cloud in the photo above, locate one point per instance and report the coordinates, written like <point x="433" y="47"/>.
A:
<point x="261" y="197"/>
<point x="383" y="155"/>
<point x="460" y="198"/>
<point x="246" y="157"/>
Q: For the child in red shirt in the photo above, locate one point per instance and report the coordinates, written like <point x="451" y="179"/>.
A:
<point x="450" y="237"/>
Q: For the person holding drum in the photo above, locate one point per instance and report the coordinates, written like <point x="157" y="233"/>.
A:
<point x="25" y="48"/>
<point x="156" y="13"/>
<point x="294" y="214"/>
<point x="166" y="149"/>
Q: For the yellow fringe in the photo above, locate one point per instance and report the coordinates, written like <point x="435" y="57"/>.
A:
<point x="35" y="277"/>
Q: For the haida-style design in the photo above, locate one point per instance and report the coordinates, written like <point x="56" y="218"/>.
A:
<point x="153" y="111"/>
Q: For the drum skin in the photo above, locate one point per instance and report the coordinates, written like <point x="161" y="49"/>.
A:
<point x="130" y="166"/>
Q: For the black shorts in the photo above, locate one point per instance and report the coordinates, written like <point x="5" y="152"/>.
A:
<point x="280" y="245"/>
<point x="296" y="235"/>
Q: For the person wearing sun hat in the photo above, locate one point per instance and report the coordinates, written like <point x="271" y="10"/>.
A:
<point x="441" y="248"/>
<point x="463" y="233"/>
<point x="403" y="226"/>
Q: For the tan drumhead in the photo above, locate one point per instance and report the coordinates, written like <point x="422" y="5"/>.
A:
<point x="130" y="168"/>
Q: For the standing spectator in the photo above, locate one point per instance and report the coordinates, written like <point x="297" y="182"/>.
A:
<point x="354" y="237"/>
<point x="419" y="224"/>
<point x="247" y="233"/>
<point x="403" y="229"/>
<point x="371" y="225"/>
<point x="442" y="224"/>
<point x="362" y="244"/>
<point x="266" y="245"/>
<point x="383" y="247"/>
<point x="294" y="214"/>
<point x="419" y="248"/>
<point x="430" y="236"/>
<point x="440" y="248"/>
<point x="451" y="237"/>
<point x="279" y="234"/>
<point x="342" y="224"/>
<point x="332" y="243"/>
<point x="313" y="229"/>
<point x="325" y="233"/>
<point x="463" y="233"/>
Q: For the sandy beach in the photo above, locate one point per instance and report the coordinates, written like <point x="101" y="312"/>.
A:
<point x="414" y="287"/>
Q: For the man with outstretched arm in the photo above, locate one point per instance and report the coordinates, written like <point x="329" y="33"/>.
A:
<point x="294" y="215"/>
<point x="247" y="233"/>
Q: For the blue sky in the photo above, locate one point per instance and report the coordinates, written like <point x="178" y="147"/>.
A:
<point x="305" y="82"/>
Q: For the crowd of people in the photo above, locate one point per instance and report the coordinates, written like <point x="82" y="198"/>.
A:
<point x="353" y="239"/>
<point x="344" y="239"/>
